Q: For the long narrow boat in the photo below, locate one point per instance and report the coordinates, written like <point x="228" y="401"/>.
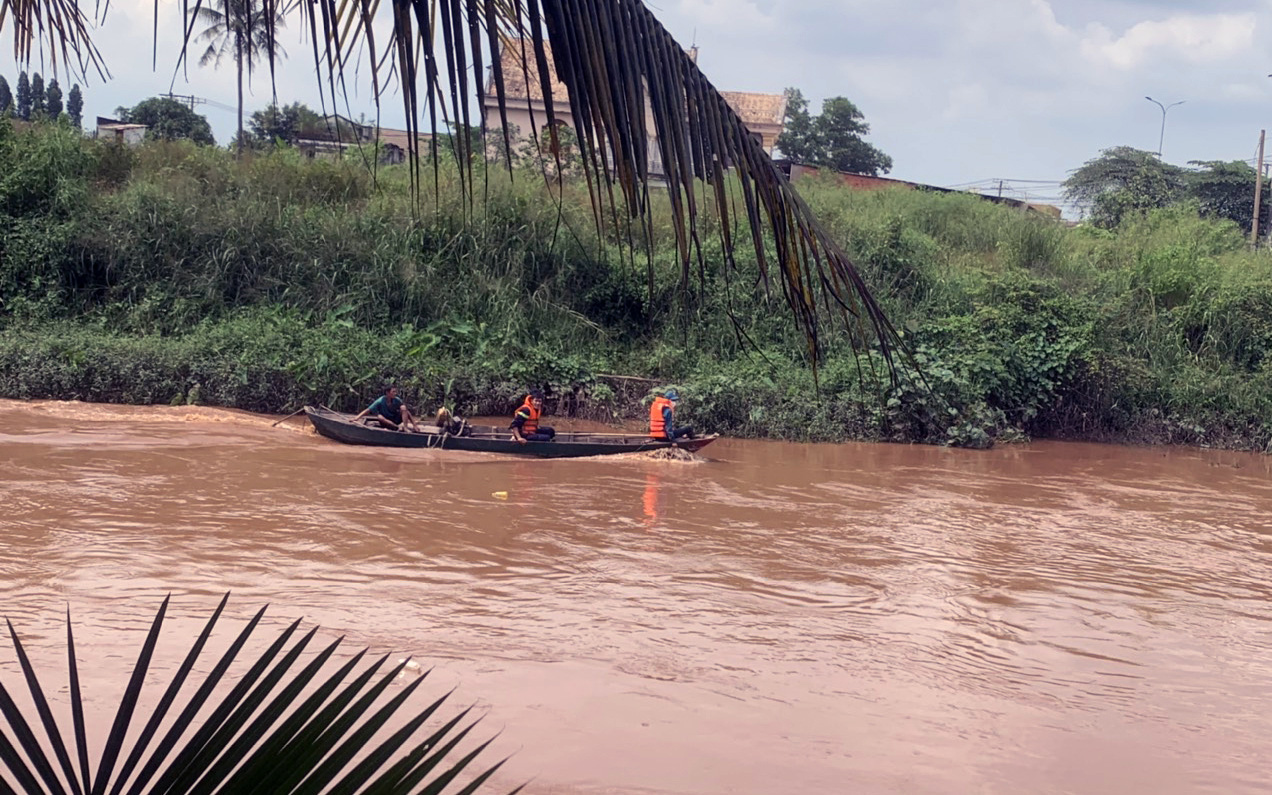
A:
<point x="489" y="439"/>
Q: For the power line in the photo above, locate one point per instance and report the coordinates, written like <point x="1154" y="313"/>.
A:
<point x="191" y="100"/>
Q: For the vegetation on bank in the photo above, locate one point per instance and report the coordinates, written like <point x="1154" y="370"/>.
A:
<point x="176" y="273"/>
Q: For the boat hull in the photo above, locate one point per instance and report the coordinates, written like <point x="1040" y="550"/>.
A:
<point x="487" y="439"/>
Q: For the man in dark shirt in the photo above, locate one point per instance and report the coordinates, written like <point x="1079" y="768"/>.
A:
<point x="389" y="410"/>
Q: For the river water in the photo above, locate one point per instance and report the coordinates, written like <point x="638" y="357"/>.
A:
<point x="770" y="618"/>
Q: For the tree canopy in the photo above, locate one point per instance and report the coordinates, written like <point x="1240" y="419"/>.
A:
<point x="833" y="139"/>
<point x="53" y="99"/>
<point x="169" y="120"/>
<point x="23" y="106"/>
<point x="6" y="96"/>
<point x="37" y="97"/>
<point x="287" y="123"/>
<point x="75" y="106"/>
<point x="1226" y="190"/>
<point x="1124" y="180"/>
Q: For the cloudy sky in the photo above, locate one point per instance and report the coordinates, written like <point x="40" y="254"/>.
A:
<point x="958" y="92"/>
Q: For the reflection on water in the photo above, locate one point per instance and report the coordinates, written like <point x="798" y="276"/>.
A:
<point x="649" y="500"/>
<point x="774" y="618"/>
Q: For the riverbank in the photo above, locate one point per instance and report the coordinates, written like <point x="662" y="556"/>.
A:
<point x="176" y="274"/>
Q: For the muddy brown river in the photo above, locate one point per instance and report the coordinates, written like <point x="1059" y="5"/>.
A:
<point x="771" y="618"/>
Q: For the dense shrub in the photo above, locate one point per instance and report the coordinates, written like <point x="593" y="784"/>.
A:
<point x="173" y="273"/>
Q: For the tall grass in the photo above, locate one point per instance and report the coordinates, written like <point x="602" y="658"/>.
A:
<point x="173" y="272"/>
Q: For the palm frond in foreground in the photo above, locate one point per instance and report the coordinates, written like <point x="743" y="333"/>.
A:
<point x="283" y="727"/>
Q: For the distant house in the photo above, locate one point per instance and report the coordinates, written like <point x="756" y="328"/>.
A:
<point x="525" y="107"/>
<point x="796" y="171"/>
<point x="341" y="134"/>
<point x="120" y="132"/>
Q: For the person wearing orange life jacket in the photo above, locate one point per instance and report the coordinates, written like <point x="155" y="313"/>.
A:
<point x="525" y="423"/>
<point x="662" y="424"/>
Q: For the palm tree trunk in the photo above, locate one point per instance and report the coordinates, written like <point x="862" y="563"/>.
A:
<point x="238" y="57"/>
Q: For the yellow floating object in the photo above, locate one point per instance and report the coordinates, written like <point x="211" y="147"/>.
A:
<point x="500" y="495"/>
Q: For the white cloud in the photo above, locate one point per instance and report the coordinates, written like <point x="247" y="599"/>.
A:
<point x="1193" y="38"/>
<point x="954" y="91"/>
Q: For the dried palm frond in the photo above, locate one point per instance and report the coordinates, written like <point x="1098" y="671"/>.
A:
<point x="59" y="25"/>
<point x="615" y="61"/>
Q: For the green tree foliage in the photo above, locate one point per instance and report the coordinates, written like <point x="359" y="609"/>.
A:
<point x="1124" y="180"/>
<point x="169" y="120"/>
<point x="53" y="99"/>
<point x="561" y="147"/>
<point x="288" y="124"/>
<point x="6" y="97"/>
<point x="37" y="97"/>
<point x="462" y="143"/>
<point x="24" y="97"/>
<point x="75" y="106"/>
<point x="1226" y="190"/>
<point x="834" y="139"/>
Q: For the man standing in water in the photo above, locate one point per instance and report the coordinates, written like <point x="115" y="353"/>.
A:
<point x="389" y="410"/>
<point x="525" y="423"/>
<point x="662" y="418"/>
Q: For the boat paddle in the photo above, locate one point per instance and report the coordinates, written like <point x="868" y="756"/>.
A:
<point x="288" y="417"/>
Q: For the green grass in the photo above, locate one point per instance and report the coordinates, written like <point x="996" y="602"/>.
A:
<point x="177" y="273"/>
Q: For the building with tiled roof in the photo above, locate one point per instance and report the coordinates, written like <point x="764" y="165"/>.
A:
<point x="336" y="134"/>
<point x="761" y="113"/>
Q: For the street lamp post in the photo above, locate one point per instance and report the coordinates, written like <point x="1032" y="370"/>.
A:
<point x="1162" y="136"/>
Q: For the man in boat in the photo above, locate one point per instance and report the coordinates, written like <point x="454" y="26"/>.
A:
<point x="662" y="415"/>
<point x="390" y="412"/>
<point x="525" y="423"/>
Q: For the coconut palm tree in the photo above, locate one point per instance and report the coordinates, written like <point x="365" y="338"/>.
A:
<point x="242" y="30"/>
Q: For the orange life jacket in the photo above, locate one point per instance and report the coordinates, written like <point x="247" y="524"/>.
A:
<point x="657" y="427"/>
<point x="531" y="425"/>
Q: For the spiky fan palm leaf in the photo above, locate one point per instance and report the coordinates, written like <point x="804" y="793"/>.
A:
<point x="282" y="728"/>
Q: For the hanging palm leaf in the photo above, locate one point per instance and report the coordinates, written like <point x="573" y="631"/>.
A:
<point x="59" y="25"/>
<point x="265" y="735"/>
<point x="615" y="60"/>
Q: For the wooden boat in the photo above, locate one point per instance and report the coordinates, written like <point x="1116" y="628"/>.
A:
<point x="490" y="439"/>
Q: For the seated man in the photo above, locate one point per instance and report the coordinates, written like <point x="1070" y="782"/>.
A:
<point x="662" y="418"/>
<point x="389" y="411"/>
<point x="525" y="423"/>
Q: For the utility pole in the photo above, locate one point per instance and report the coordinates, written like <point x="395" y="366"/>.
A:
<point x="1258" y="194"/>
<point x="185" y="99"/>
